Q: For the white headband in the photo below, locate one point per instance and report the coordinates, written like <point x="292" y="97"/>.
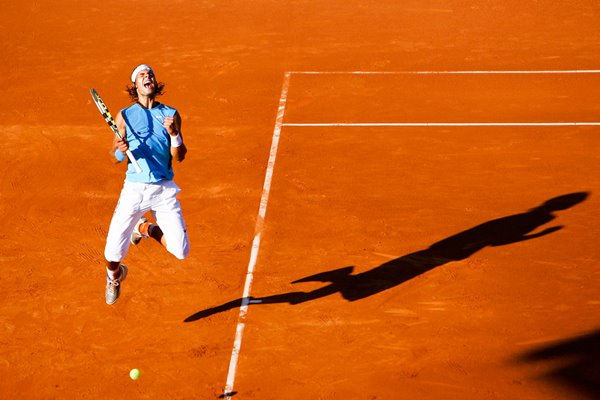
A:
<point x="137" y="70"/>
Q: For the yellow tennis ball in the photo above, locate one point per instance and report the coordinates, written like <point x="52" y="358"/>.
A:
<point x="134" y="374"/>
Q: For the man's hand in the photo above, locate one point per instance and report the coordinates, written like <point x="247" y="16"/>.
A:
<point x="169" y="124"/>
<point x="122" y="145"/>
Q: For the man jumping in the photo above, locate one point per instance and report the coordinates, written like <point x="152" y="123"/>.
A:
<point x="152" y="131"/>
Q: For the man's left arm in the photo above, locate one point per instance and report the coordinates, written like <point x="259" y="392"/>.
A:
<point x="173" y="127"/>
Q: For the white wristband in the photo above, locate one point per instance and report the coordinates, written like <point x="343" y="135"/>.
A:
<point x="176" y="141"/>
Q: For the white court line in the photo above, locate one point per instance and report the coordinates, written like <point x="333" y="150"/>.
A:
<point x="228" y="391"/>
<point x="447" y="124"/>
<point x="474" y="72"/>
<point x="262" y="211"/>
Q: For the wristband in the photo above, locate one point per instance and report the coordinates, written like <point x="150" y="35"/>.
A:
<point x="176" y="141"/>
<point x="119" y="156"/>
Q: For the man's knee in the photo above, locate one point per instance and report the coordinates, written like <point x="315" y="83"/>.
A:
<point x="181" y="253"/>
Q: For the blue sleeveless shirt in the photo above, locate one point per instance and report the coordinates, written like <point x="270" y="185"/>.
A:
<point x="149" y="143"/>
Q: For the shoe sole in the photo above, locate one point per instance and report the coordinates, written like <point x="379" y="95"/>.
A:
<point x="136" y="236"/>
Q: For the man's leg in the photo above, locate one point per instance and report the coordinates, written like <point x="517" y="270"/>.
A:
<point x="170" y="229"/>
<point x="118" y="240"/>
<point x="116" y="273"/>
<point x="112" y="269"/>
<point x="147" y="229"/>
<point x="171" y="232"/>
<point x="152" y="230"/>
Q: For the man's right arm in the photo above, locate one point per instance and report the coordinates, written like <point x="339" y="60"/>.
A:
<point x="120" y="145"/>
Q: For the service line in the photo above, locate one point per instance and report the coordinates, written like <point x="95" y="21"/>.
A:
<point x="445" y="124"/>
<point x="472" y="72"/>
<point x="434" y="124"/>
<point x="262" y="211"/>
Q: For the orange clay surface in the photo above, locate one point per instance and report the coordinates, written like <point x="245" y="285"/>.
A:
<point x="426" y="263"/>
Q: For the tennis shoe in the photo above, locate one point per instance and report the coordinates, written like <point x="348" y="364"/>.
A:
<point x="113" y="286"/>
<point x="136" y="235"/>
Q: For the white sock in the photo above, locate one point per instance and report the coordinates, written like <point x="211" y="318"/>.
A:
<point x="113" y="274"/>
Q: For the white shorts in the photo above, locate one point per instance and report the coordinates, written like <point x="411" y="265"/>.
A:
<point x="135" y="200"/>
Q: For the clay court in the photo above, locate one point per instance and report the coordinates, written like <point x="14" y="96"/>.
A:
<point x="385" y="200"/>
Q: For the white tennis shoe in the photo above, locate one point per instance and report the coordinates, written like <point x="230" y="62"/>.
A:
<point x="113" y="286"/>
<point x="136" y="235"/>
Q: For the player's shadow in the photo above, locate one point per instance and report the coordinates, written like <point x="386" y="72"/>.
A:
<point x="575" y="361"/>
<point x="497" y="232"/>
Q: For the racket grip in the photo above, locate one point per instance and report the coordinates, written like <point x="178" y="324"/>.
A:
<point x="133" y="161"/>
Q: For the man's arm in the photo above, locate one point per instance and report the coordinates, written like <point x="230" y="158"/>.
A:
<point x="173" y="127"/>
<point x="120" y="144"/>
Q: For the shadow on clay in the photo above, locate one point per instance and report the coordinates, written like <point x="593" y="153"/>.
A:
<point x="498" y="232"/>
<point x="576" y="363"/>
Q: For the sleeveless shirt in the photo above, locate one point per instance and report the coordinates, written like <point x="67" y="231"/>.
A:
<point x="149" y="142"/>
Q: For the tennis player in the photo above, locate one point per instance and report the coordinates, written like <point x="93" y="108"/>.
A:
<point x="152" y="131"/>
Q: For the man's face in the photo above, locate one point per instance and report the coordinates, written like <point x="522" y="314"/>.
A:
<point x="145" y="82"/>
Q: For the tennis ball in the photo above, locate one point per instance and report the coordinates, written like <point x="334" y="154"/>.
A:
<point x="134" y="374"/>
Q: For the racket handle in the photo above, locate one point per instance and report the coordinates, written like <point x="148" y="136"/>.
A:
<point x="133" y="161"/>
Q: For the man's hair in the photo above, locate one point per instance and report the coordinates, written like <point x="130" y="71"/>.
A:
<point x="132" y="91"/>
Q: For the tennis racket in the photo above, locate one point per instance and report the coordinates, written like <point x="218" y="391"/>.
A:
<point x="111" y="122"/>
